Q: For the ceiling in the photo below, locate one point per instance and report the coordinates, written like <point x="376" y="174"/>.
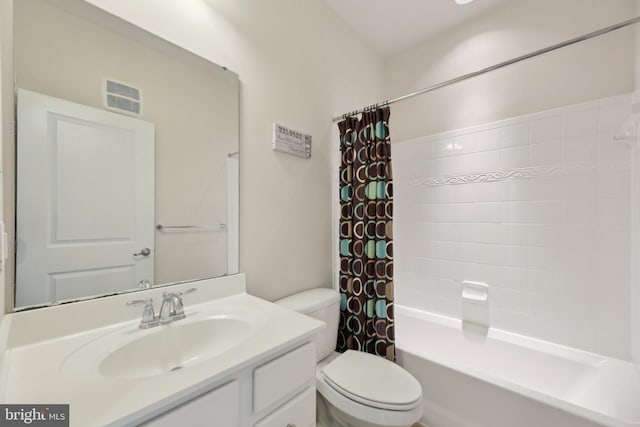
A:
<point x="392" y="26"/>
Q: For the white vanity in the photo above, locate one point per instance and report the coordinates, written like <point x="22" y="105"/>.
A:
<point x="235" y="360"/>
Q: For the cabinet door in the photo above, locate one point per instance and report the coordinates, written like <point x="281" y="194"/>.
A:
<point x="299" y="412"/>
<point x="219" y="407"/>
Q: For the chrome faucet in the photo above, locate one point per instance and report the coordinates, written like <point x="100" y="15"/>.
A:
<point x="171" y="309"/>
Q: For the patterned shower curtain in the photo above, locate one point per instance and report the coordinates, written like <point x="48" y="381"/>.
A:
<point x="366" y="235"/>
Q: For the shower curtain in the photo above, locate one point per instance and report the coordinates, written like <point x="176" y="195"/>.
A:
<point x="366" y="235"/>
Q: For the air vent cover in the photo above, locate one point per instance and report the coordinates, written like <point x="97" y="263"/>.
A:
<point x="122" y="97"/>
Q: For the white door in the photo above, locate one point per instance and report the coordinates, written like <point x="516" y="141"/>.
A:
<point x="85" y="200"/>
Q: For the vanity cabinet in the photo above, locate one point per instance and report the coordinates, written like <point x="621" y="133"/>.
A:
<point x="276" y="391"/>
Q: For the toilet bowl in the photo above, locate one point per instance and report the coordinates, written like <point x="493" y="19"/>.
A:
<point x="355" y="389"/>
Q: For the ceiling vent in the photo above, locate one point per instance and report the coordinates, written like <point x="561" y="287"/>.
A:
<point x="123" y="98"/>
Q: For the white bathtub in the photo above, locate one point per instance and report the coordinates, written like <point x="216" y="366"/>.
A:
<point x="507" y="380"/>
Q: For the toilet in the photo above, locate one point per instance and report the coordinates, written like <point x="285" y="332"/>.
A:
<point x="355" y="389"/>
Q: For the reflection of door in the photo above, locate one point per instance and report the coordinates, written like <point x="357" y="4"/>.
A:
<point x="85" y="200"/>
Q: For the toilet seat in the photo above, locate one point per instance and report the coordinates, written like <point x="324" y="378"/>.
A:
<point x="373" y="381"/>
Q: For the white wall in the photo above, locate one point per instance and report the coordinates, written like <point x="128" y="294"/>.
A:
<point x="591" y="70"/>
<point x="6" y="111"/>
<point x="298" y="66"/>
<point x="635" y="210"/>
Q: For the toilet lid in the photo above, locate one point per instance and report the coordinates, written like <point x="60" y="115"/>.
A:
<point x="373" y="381"/>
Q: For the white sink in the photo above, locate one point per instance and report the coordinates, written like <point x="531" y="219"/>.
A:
<point x="131" y="353"/>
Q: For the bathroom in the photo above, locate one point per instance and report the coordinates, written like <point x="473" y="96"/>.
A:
<point x="302" y="64"/>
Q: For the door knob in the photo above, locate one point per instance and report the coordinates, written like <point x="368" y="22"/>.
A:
<point x="143" y="252"/>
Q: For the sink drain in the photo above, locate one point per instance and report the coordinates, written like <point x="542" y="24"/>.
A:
<point x="176" y="368"/>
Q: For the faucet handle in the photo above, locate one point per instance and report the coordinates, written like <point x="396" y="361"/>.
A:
<point x="178" y="306"/>
<point x="149" y="319"/>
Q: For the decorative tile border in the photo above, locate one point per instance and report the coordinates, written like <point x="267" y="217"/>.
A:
<point x="508" y="174"/>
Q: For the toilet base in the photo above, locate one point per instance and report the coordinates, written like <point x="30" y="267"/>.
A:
<point x="328" y="415"/>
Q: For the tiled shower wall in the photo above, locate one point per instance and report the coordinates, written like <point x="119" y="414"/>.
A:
<point x="538" y="207"/>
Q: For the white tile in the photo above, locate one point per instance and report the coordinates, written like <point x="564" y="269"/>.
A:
<point x="507" y="320"/>
<point x="424" y="230"/>
<point x="545" y="212"/>
<point x="477" y="162"/>
<point x="578" y="269"/>
<point x="613" y="320"/>
<point x="578" y="236"/>
<point x="423" y="195"/>
<point x="509" y="299"/>
<point x="546" y="235"/>
<point x="544" y="303"/>
<point x="443" y="166"/>
<point x="515" y="256"/>
<point x="489" y="274"/>
<point x="516" y="135"/>
<point x="423" y="213"/>
<point x="477" y="192"/>
<point x="580" y="334"/>
<point x="613" y="266"/>
<point x="614" y="211"/>
<point x="614" y="184"/>
<point x="444" y="250"/>
<point x="487" y="233"/>
<point x="546" y="327"/>
<point x="580" y="123"/>
<point x="579" y="187"/>
<point x="465" y="144"/>
<point x="580" y="149"/>
<point x="484" y="212"/>
<point x="517" y="189"/>
<point x="546" y="188"/>
<point x="579" y="212"/>
<point x="546" y="282"/>
<point x="546" y="259"/>
<point x="613" y="238"/>
<point x="444" y="147"/>
<point x="514" y="278"/>
<point x="487" y="254"/>
<point x="443" y="232"/>
<point x="442" y="194"/>
<point x="546" y="130"/>
<point x="514" y="234"/>
<point x="515" y="158"/>
<point x="487" y="140"/>
<point x="514" y="212"/>
<point x="546" y="153"/>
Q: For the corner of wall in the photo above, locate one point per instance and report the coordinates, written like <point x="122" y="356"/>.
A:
<point x="6" y="122"/>
<point x="635" y="226"/>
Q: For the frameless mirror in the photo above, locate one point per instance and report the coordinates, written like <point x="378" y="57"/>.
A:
<point x="126" y="157"/>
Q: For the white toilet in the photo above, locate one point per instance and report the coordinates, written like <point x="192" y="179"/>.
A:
<point x="355" y="389"/>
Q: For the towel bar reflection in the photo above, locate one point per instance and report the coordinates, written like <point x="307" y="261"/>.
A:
<point x="161" y="227"/>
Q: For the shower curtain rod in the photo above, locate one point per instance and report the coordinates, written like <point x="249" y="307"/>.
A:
<point x="529" y="55"/>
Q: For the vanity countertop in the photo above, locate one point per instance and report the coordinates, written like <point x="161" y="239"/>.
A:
<point x="38" y="371"/>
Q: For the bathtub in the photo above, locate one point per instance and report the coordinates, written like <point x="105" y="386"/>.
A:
<point x="501" y="379"/>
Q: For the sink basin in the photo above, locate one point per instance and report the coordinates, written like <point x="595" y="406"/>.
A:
<point x="134" y="353"/>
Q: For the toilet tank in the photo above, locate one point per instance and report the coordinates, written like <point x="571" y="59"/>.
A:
<point x="322" y="304"/>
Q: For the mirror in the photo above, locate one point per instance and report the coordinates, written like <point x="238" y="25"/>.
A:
<point x="126" y="157"/>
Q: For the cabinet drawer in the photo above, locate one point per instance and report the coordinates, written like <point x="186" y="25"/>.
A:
<point x="299" y="412"/>
<point x="283" y="376"/>
<point x="217" y="407"/>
